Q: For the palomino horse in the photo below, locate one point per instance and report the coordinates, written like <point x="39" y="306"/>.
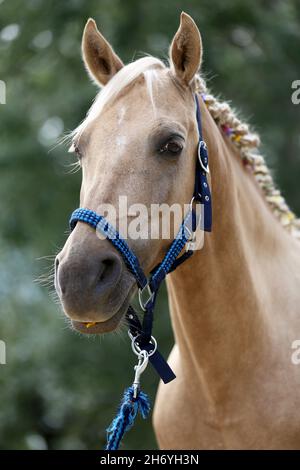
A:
<point x="234" y="304"/>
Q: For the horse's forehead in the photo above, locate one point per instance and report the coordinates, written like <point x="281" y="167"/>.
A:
<point x="147" y="99"/>
<point x="151" y="98"/>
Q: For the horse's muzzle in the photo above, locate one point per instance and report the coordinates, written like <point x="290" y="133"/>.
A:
<point x="87" y="284"/>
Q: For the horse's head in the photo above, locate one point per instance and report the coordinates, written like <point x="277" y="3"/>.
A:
<point x="139" y="140"/>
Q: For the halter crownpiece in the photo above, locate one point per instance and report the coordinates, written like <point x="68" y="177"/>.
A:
<point x="143" y="343"/>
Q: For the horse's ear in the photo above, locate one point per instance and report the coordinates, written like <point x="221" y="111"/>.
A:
<point x="101" y="61"/>
<point x="186" y="50"/>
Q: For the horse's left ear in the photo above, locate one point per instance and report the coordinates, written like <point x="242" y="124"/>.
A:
<point x="186" y="50"/>
<point x="101" y="61"/>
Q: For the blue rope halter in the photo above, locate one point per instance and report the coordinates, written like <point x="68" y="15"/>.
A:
<point x="170" y="262"/>
<point x="141" y="332"/>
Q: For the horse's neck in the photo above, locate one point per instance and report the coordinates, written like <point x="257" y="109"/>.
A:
<point x="220" y="298"/>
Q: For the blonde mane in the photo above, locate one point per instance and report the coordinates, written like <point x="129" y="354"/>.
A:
<point x="225" y="117"/>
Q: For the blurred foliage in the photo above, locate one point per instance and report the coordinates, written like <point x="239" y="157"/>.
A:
<point x="60" y="390"/>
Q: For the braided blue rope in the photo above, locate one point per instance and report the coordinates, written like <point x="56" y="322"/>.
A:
<point x="124" y="420"/>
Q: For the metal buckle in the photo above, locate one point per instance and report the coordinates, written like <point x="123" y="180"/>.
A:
<point x="192" y="240"/>
<point x="192" y="235"/>
<point x="191" y="243"/>
<point x="202" y="143"/>
<point x="142" y="292"/>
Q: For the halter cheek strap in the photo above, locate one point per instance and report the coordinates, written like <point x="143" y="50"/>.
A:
<point x="141" y="332"/>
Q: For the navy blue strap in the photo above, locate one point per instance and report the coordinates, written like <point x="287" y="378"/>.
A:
<point x="181" y="260"/>
<point x="202" y="191"/>
<point x="161" y="366"/>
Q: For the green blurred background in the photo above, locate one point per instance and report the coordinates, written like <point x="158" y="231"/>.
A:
<point x="58" y="389"/>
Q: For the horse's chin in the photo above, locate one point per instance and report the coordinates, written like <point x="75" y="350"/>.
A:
<point x="100" y="327"/>
<point x="97" y="328"/>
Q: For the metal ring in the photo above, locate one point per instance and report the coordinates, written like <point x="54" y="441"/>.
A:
<point x="137" y="350"/>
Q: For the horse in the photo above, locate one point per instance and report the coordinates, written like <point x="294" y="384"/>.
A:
<point x="234" y="305"/>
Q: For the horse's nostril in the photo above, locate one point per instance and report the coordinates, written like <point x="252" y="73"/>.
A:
<point x="107" y="267"/>
<point x="79" y="280"/>
<point x="110" y="271"/>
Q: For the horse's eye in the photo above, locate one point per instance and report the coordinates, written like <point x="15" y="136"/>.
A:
<point x="77" y="151"/>
<point x="172" y="147"/>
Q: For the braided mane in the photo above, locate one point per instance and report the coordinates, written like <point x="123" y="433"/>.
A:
<point x="248" y="143"/>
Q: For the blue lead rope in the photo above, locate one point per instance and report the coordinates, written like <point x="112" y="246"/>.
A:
<point x="141" y="331"/>
<point x="124" y="420"/>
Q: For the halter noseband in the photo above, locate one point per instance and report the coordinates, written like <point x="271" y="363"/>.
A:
<point x="141" y="332"/>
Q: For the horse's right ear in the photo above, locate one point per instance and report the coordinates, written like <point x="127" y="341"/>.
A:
<point x="186" y="50"/>
<point x="100" y="60"/>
